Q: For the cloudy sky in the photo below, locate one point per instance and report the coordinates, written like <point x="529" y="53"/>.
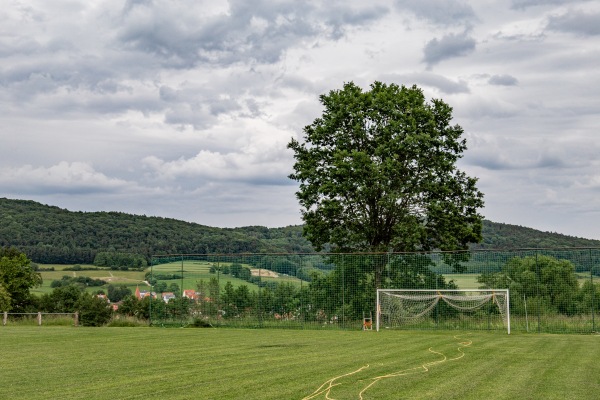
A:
<point x="183" y="108"/>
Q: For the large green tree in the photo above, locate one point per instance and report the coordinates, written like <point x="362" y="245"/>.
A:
<point x="377" y="173"/>
<point x="548" y="283"/>
<point x="17" y="276"/>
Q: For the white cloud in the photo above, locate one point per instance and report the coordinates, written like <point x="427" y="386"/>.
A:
<point x="64" y="177"/>
<point x="184" y="108"/>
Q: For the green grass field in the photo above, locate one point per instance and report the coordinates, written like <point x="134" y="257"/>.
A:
<point x="464" y="281"/>
<point x="136" y="363"/>
<point x="130" y="279"/>
<point x="194" y="271"/>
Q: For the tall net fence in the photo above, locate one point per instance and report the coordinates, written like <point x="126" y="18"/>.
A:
<point x="551" y="290"/>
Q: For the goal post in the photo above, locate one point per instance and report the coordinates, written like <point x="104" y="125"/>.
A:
<point x="466" y="308"/>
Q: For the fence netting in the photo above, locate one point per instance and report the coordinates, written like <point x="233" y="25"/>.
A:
<point x="550" y="290"/>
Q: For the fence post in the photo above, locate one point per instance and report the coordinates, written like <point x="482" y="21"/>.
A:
<point x="39" y="318"/>
<point x="5" y="318"/>
<point x="77" y="316"/>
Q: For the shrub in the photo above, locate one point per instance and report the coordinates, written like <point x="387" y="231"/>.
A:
<point x="93" y="310"/>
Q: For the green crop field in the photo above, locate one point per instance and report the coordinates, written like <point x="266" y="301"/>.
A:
<point x="194" y="271"/>
<point x="139" y="363"/>
<point x="464" y="281"/>
<point x="130" y="279"/>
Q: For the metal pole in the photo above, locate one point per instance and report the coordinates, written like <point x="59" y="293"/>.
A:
<point x="343" y="293"/>
<point x="377" y="312"/>
<point x="181" y="306"/>
<point x="593" y="293"/>
<point x="526" y="317"/>
<point x="151" y="287"/>
<point x="508" y="310"/>
<point x="537" y="274"/>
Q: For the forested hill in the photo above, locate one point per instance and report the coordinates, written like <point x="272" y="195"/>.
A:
<point x="505" y="236"/>
<point x="50" y="234"/>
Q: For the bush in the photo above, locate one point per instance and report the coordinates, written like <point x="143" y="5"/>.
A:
<point x="200" y="323"/>
<point x="93" y="311"/>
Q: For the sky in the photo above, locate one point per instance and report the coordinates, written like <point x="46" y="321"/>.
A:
<point x="184" y="108"/>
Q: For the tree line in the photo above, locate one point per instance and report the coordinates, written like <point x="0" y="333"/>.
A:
<point x="51" y="235"/>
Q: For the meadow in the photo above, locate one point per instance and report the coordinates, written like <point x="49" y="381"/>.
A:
<point x="135" y="363"/>
<point x="131" y="279"/>
<point x="193" y="273"/>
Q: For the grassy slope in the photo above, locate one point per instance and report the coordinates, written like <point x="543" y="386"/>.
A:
<point x="194" y="271"/>
<point x="130" y="279"/>
<point x="129" y="363"/>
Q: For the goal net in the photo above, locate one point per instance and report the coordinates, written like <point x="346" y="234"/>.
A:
<point x="450" y="309"/>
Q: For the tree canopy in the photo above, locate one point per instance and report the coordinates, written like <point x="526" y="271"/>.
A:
<point x="377" y="172"/>
<point x="16" y="278"/>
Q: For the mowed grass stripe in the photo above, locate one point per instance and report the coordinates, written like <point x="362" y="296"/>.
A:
<point x="131" y="363"/>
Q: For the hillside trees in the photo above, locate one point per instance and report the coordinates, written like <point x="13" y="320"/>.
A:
<point x="377" y="173"/>
<point x="120" y="260"/>
<point x="548" y="283"/>
<point x="17" y="276"/>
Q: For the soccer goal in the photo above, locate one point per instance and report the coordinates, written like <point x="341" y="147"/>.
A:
<point x="458" y="309"/>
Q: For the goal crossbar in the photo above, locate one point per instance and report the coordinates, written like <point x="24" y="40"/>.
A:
<point x="403" y="305"/>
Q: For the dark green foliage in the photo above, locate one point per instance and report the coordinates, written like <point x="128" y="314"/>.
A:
<point x="52" y="235"/>
<point x="117" y="293"/>
<point x="200" y="323"/>
<point x="78" y="267"/>
<point x="282" y="264"/>
<point x="93" y="310"/>
<point x="153" y="278"/>
<point x="160" y="287"/>
<point x="82" y="281"/>
<point x="174" y="288"/>
<point x="16" y="278"/>
<point x="120" y="260"/>
<point x="506" y="236"/>
<point x="378" y="173"/>
<point x="545" y="282"/>
<point x="63" y="299"/>
<point x="134" y="307"/>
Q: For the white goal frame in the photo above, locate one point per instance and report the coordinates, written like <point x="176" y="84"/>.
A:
<point x="440" y="295"/>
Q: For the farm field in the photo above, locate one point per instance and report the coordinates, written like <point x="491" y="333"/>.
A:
<point x="194" y="271"/>
<point x="464" y="281"/>
<point x="136" y="363"/>
<point x="130" y="279"/>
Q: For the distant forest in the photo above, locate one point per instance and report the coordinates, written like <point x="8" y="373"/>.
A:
<point x="51" y="235"/>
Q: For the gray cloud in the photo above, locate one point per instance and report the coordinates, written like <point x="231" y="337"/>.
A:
<point x="503" y="80"/>
<point x="577" y="22"/>
<point x="250" y="30"/>
<point x="449" y="46"/>
<point x="436" y="81"/>
<point x="522" y="4"/>
<point x="441" y="12"/>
